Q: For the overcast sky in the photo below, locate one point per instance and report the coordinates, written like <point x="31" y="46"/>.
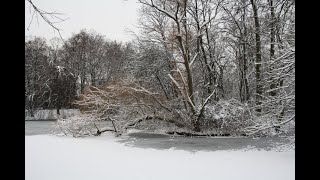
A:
<point x="107" y="17"/>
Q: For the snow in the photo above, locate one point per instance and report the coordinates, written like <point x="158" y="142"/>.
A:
<point x="65" y="158"/>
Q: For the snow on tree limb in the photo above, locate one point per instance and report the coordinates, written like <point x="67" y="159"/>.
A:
<point x="254" y="130"/>
<point x="193" y="59"/>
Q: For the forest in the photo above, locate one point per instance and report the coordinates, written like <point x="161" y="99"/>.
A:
<point x="195" y="67"/>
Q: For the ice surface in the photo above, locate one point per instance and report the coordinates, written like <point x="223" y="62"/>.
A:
<point x="65" y="158"/>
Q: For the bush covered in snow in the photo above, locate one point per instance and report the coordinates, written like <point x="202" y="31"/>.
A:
<point x="82" y="124"/>
<point x="230" y="116"/>
<point x="269" y="124"/>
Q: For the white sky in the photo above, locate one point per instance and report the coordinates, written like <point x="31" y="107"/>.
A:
<point x="107" y="17"/>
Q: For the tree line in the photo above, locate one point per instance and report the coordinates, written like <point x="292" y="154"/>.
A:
<point x="56" y="72"/>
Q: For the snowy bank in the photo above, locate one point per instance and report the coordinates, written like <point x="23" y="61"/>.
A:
<point x="65" y="158"/>
<point x="51" y="114"/>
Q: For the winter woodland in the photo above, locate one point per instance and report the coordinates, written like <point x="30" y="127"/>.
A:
<point x="195" y="67"/>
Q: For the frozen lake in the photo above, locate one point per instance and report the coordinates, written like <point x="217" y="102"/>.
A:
<point x="98" y="158"/>
<point x="145" y="156"/>
<point x="39" y="127"/>
<point x="163" y="141"/>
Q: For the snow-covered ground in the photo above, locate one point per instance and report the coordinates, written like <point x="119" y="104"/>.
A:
<point x="94" y="158"/>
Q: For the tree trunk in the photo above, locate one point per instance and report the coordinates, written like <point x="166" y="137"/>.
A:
<point x="220" y="83"/>
<point x="31" y="109"/>
<point x="258" y="57"/>
<point x="245" y="67"/>
<point x="93" y="79"/>
<point x="245" y="62"/>
<point x="272" y="41"/>
<point x="162" y="86"/>
<point x="58" y="92"/>
<point x="186" y="62"/>
<point x="200" y="46"/>
<point x="196" y="123"/>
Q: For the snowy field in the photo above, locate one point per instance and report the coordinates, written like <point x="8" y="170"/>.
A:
<point x="50" y="157"/>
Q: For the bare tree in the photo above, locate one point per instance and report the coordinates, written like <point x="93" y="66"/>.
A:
<point x="179" y="13"/>
<point x="36" y="82"/>
<point x="51" y="18"/>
